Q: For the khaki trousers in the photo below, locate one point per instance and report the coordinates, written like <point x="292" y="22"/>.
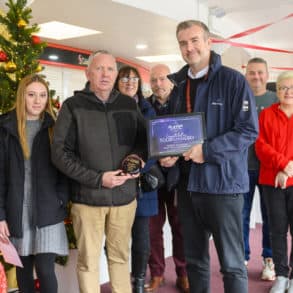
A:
<point x="90" y="225"/>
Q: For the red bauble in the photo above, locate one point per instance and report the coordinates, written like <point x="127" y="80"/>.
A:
<point x="37" y="284"/>
<point x="3" y="56"/>
<point x="36" y="40"/>
<point x="57" y="105"/>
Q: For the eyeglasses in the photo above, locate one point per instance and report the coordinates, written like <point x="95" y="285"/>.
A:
<point x="285" y="88"/>
<point x="127" y="79"/>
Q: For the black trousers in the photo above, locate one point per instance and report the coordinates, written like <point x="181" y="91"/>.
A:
<point x="44" y="264"/>
<point x="279" y="204"/>
<point x="140" y="248"/>
<point x="202" y="215"/>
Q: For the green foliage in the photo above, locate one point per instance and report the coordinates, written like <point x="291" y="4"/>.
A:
<point x="22" y="50"/>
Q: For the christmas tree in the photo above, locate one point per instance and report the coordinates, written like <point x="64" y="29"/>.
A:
<point x="19" y="50"/>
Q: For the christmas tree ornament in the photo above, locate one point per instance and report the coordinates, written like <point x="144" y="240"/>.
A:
<point x="3" y="56"/>
<point x="22" y="23"/>
<point x="37" y="284"/>
<point x="10" y="66"/>
<point x="56" y="103"/>
<point x="36" y="40"/>
<point x="39" y="68"/>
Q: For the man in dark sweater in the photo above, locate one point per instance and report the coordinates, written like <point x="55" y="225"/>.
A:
<point x="95" y="130"/>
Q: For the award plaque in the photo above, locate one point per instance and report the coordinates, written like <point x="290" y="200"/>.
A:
<point x="173" y="135"/>
<point x="131" y="165"/>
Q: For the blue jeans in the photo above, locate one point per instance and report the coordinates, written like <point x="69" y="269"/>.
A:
<point x="248" y="200"/>
<point x="220" y="215"/>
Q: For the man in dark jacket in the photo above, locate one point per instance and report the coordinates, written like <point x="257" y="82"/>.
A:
<point x="96" y="129"/>
<point x="214" y="173"/>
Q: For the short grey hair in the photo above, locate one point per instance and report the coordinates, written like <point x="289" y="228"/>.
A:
<point x="284" y="75"/>
<point x="189" y="23"/>
<point x="94" y="54"/>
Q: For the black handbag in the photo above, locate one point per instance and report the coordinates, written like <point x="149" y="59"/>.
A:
<point x="173" y="176"/>
<point x="152" y="179"/>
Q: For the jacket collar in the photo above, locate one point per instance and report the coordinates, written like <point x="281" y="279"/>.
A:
<point x="87" y="93"/>
<point x="9" y="122"/>
<point x="180" y="76"/>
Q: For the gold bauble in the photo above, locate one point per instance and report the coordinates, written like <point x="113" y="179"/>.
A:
<point x="10" y="66"/>
<point x="39" y="68"/>
<point x="22" y="23"/>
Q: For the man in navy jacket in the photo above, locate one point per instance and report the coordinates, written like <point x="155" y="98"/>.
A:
<point x="214" y="173"/>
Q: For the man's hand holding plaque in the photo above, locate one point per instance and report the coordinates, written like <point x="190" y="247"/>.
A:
<point x="195" y="154"/>
<point x="168" y="162"/>
<point x="130" y="169"/>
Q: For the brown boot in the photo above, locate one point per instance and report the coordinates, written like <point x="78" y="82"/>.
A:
<point x="154" y="284"/>
<point x="182" y="284"/>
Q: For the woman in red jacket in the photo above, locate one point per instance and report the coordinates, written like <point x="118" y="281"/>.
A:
<point x="274" y="148"/>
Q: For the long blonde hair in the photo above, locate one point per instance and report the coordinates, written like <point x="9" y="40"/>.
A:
<point x="21" y="109"/>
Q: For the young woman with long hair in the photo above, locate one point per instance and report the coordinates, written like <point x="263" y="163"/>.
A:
<point x="33" y="193"/>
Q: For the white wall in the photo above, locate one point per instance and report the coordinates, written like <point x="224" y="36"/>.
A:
<point x="64" y="80"/>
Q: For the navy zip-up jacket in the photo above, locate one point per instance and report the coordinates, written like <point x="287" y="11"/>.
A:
<point x="231" y="126"/>
<point x="147" y="203"/>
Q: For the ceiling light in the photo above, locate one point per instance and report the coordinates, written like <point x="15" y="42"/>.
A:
<point x="53" y="57"/>
<point x="217" y="11"/>
<point x="141" y="46"/>
<point x="59" y="31"/>
<point x="160" y="58"/>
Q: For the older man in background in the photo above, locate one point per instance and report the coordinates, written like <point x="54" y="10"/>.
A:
<point x="167" y="195"/>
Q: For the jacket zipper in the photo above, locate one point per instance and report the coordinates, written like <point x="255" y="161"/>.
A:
<point x="111" y="145"/>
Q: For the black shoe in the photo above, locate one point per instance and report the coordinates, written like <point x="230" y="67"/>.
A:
<point x="138" y="285"/>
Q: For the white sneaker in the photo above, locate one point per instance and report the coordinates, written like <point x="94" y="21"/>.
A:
<point x="280" y="285"/>
<point x="268" y="272"/>
<point x="290" y="289"/>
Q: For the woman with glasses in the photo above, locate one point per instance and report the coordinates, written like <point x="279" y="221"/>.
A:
<point x="33" y="194"/>
<point x="274" y="148"/>
<point x="128" y="82"/>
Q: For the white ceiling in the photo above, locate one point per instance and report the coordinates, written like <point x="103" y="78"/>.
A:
<point x="125" y="26"/>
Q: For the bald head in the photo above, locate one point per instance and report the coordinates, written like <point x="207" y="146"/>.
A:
<point x="160" y="84"/>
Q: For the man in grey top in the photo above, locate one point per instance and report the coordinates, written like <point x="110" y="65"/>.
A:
<point x="257" y="76"/>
